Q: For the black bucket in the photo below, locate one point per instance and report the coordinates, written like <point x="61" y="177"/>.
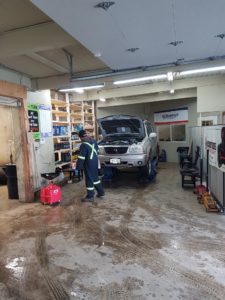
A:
<point x="12" y="183"/>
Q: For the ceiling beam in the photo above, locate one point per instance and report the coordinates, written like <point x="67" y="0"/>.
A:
<point x="48" y="62"/>
<point x="181" y="94"/>
<point x="34" y="39"/>
<point x="155" y="87"/>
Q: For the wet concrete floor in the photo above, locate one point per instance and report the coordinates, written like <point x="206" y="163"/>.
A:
<point x="141" y="242"/>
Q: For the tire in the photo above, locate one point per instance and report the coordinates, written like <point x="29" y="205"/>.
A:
<point x="146" y="170"/>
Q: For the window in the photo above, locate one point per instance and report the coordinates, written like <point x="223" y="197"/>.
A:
<point x="164" y="133"/>
<point x="178" y="133"/>
<point x="207" y="123"/>
<point x="172" y="133"/>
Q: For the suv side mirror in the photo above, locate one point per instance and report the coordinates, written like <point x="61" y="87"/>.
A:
<point x="152" y="135"/>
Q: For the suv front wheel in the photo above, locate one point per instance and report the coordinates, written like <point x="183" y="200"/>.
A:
<point x="146" y="170"/>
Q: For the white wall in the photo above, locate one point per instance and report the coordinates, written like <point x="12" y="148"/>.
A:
<point x="211" y="98"/>
<point x="146" y="110"/>
<point x="215" y="116"/>
<point x="130" y="109"/>
<point x="171" y="147"/>
<point x="42" y="154"/>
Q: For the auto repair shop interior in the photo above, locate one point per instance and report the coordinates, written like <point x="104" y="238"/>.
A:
<point x="146" y="80"/>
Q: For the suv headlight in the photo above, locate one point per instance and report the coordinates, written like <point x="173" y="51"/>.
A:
<point x="136" y="149"/>
<point x="101" y="150"/>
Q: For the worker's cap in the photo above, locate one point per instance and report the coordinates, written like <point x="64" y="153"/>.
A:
<point x="82" y="133"/>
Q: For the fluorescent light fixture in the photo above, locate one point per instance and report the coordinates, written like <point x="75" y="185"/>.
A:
<point x="82" y="88"/>
<point x="170" y="76"/>
<point x="154" y="77"/>
<point x="97" y="54"/>
<point x="79" y="91"/>
<point x="172" y="91"/>
<point x="205" y="70"/>
<point x="102" y="99"/>
<point x="92" y="87"/>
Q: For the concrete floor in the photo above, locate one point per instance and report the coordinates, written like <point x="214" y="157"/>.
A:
<point x="141" y="242"/>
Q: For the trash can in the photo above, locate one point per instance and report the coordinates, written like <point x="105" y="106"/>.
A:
<point x="3" y="178"/>
<point x="12" y="184"/>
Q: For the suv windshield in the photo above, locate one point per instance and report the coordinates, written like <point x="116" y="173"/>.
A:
<point x="122" y="126"/>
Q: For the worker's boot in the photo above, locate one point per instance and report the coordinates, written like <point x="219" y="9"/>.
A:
<point x="87" y="199"/>
<point x="101" y="196"/>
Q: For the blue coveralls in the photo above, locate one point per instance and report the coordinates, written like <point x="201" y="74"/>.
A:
<point x="88" y="160"/>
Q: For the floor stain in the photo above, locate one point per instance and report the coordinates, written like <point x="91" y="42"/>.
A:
<point x="141" y="242"/>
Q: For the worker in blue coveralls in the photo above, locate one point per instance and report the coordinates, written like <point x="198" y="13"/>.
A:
<point x="88" y="161"/>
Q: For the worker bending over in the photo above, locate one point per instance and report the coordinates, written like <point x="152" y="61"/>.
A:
<point x="88" y="161"/>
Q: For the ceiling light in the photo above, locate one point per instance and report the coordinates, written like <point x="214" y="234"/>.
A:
<point x="155" y="77"/>
<point x="81" y="89"/>
<point x="205" y="70"/>
<point x="172" y="91"/>
<point x="98" y="54"/>
<point x="92" y="87"/>
<point x="170" y="76"/>
<point x="102" y="99"/>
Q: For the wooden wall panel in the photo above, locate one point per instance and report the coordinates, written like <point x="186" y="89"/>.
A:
<point x="6" y="134"/>
<point x="20" y="118"/>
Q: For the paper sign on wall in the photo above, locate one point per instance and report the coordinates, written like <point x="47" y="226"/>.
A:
<point x="45" y="116"/>
<point x="174" y="116"/>
<point x="33" y="116"/>
<point x="215" y="143"/>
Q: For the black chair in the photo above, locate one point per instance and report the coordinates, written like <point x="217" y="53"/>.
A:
<point x="183" y="153"/>
<point x="190" y="172"/>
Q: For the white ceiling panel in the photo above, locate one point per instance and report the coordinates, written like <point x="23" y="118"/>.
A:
<point x="146" y="24"/>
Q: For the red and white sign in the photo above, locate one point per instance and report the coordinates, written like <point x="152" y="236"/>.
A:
<point x="171" y="116"/>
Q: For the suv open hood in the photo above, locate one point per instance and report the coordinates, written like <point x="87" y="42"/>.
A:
<point x="121" y="125"/>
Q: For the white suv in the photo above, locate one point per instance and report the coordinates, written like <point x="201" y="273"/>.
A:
<point x="127" y="142"/>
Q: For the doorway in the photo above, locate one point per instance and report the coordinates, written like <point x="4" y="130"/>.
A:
<point x="14" y="150"/>
<point x="9" y="148"/>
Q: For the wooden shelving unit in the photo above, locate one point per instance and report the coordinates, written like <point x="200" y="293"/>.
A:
<point x="89" y="117"/>
<point x="70" y="117"/>
<point x="83" y="114"/>
<point x="61" y="129"/>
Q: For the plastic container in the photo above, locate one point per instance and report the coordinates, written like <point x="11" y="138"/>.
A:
<point x="50" y="194"/>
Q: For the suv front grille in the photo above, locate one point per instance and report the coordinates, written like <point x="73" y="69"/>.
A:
<point x="116" y="150"/>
